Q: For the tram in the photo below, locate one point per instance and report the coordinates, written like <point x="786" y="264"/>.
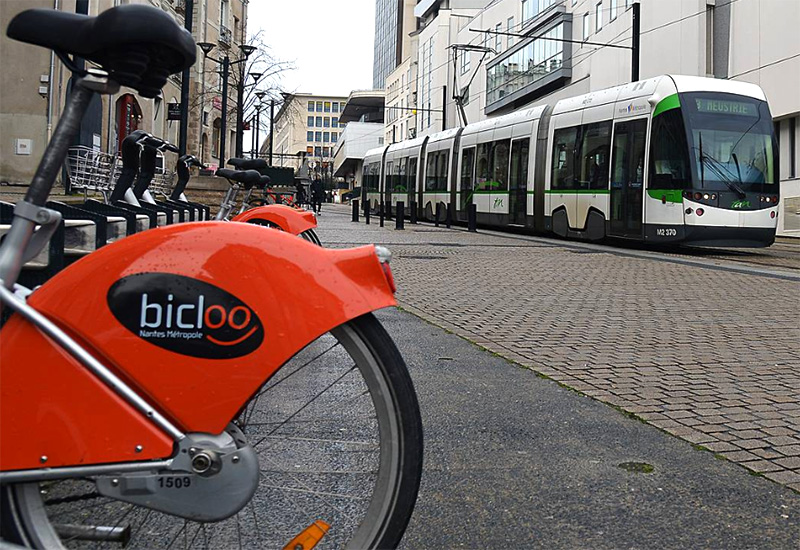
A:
<point x="671" y="159"/>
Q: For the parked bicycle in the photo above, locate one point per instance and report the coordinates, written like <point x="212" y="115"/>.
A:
<point x="247" y="178"/>
<point x="200" y="384"/>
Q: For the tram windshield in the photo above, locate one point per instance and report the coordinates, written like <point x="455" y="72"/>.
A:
<point x="731" y="142"/>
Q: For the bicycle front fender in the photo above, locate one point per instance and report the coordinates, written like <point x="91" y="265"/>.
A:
<point x="286" y="218"/>
<point x="195" y="317"/>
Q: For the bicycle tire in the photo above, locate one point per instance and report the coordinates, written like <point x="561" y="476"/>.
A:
<point x="311" y="236"/>
<point x="31" y="519"/>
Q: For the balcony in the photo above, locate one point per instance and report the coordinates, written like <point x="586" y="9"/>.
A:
<point x="225" y="36"/>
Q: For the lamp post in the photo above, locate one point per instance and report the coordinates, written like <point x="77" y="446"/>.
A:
<point x="260" y="95"/>
<point x="226" y="63"/>
<point x="240" y="108"/>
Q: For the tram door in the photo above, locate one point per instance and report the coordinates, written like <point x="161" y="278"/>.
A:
<point x="466" y="184"/>
<point x="627" y="177"/>
<point x="518" y="182"/>
<point x="411" y="185"/>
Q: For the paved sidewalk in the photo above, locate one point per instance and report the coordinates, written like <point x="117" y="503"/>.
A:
<point x="704" y="353"/>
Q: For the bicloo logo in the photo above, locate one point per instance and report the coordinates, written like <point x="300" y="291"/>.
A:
<point x="185" y="315"/>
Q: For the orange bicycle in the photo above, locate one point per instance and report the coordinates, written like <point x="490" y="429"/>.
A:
<point x="204" y="384"/>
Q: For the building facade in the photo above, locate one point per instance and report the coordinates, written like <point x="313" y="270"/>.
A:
<point x="517" y="53"/>
<point x="34" y="89"/>
<point x="394" y="23"/>
<point x="307" y="129"/>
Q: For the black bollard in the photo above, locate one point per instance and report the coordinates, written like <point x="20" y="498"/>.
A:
<point x="380" y="213"/>
<point x="355" y="210"/>
<point x="449" y="216"/>
<point x="436" y="215"/>
<point x="366" y="212"/>
<point x="413" y="208"/>
<point x="472" y="218"/>
<point x="400" y="218"/>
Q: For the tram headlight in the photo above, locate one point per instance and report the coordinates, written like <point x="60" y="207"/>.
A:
<point x="699" y="211"/>
<point x="706" y="196"/>
<point x="698" y="196"/>
<point x="772" y="214"/>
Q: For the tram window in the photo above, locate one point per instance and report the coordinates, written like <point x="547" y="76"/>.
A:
<point x="519" y="164"/>
<point x="441" y="170"/>
<point x="564" y="142"/>
<point x="500" y="157"/>
<point x="389" y="177"/>
<point x="467" y="167"/>
<point x="412" y="174"/>
<point x="595" y="145"/>
<point x="669" y="152"/>
<point x="402" y="180"/>
<point x="430" y="171"/>
<point x="484" y="150"/>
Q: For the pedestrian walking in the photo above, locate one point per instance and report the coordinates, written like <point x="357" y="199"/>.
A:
<point x="317" y="195"/>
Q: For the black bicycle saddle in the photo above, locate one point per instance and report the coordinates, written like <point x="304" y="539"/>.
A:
<point x="139" y="46"/>
<point x="248" y="164"/>
<point x="248" y="178"/>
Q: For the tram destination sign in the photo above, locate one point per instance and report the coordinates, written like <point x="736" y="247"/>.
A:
<point x="725" y="107"/>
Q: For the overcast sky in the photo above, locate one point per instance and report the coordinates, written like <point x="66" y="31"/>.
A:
<point x="330" y="42"/>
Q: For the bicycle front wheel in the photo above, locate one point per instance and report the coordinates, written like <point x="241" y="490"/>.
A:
<point x="339" y="439"/>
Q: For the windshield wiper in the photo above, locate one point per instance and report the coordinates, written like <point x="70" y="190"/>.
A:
<point x="721" y="171"/>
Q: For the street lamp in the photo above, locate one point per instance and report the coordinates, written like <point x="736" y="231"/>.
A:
<point x="260" y="95"/>
<point x="226" y="63"/>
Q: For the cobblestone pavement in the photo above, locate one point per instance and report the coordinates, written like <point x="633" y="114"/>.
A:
<point x="705" y="351"/>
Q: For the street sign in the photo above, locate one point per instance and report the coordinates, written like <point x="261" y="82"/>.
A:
<point x="173" y="111"/>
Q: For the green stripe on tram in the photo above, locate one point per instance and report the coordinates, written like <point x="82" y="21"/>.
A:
<point x="667" y="104"/>
<point x="670" y="195"/>
<point x="577" y="191"/>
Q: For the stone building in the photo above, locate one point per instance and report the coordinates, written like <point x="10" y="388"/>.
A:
<point x="35" y="85"/>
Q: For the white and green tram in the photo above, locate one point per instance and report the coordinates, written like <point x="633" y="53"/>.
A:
<point x="671" y="159"/>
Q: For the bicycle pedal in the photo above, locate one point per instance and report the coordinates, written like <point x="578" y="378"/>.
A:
<point x="309" y="537"/>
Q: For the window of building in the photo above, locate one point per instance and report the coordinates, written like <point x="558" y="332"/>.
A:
<point x="326" y="137"/>
<point x="586" y="28"/>
<point x="464" y="60"/>
<point x="335" y="122"/>
<point x="612" y="10"/>
<point x="326" y="151"/>
<point x="309" y="136"/>
<point x="510" y="29"/>
<point x="319" y="106"/>
<point x="793" y="147"/>
<point x="319" y="122"/>
<point x="311" y="121"/>
<point x="532" y="8"/>
<point x="318" y="136"/>
<point x="317" y="151"/>
<point x="310" y="149"/>
<point x="334" y="137"/>
<point x="327" y="122"/>
<point x="224" y="10"/>
<point x="205" y="118"/>
<point x="598" y="16"/>
<point x="537" y="59"/>
<point x="327" y="106"/>
<point x="498" y="38"/>
<point x="311" y="106"/>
